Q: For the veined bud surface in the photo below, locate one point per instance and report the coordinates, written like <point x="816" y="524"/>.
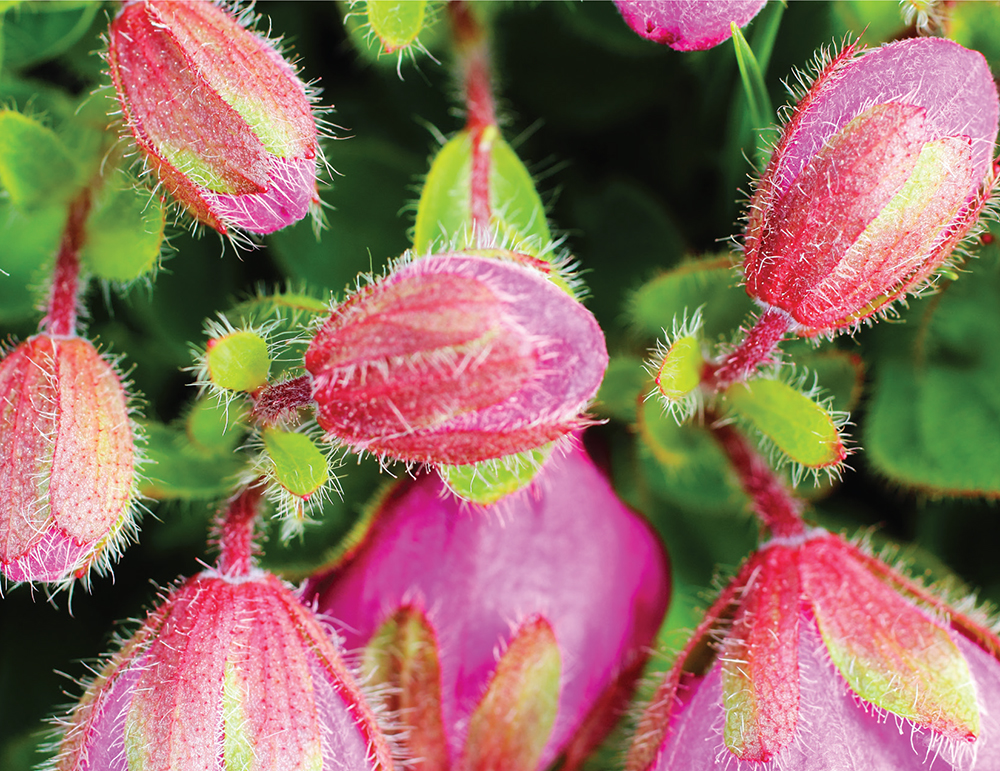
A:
<point x="883" y="167"/>
<point x="509" y="635"/>
<point x="453" y="359"/>
<point x="228" y="672"/>
<point x="820" y="656"/>
<point x="67" y="460"/>
<point x="222" y="119"/>
<point x="687" y="25"/>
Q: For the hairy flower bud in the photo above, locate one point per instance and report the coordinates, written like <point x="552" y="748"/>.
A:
<point x="687" y="25"/>
<point x="562" y="578"/>
<point x="455" y="358"/>
<point x="67" y="459"/>
<point x="820" y="656"/>
<point x="883" y="167"/>
<point x="223" y="121"/>
<point x="230" y="671"/>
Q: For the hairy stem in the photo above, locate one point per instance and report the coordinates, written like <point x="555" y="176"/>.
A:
<point x="275" y="402"/>
<point x="61" y="315"/>
<point x="756" y="350"/>
<point x="235" y="531"/>
<point x="473" y="57"/>
<point x="778" y="509"/>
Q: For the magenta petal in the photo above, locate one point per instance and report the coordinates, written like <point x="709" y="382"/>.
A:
<point x="291" y="191"/>
<point x="687" y="25"/>
<point x="565" y="549"/>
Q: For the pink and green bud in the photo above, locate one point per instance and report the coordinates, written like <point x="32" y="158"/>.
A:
<point x="67" y="460"/>
<point x="222" y="120"/>
<point x="455" y="359"/>
<point x="687" y="25"/>
<point x="231" y="671"/>
<point x="882" y="169"/>
<point x="819" y="655"/>
<point x="561" y="578"/>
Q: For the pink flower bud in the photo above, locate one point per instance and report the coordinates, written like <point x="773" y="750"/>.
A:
<point x="67" y="460"/>
<point x="687" y="25"/>
<point x="455" y="358"/>
<point x="882" y="169"/>
<point x="222" y="120"/>
<point x="820" y="656"/>
<point x="511" y="634"/>
<point x="228" y="672"/>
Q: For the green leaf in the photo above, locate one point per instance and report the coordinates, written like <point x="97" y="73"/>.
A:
<point x="177" y="470"/>
<point x="710" y="284"/>
<point x="41" y="30"/>
<point x="300" y="467"/>
<point x="238" y="361"/>
<point x="934" y="417"/>
<point x="489" y="481"/>
<point x="758" y="99"/>
<point x="30" y="240"/>
<point x="35" y="166"/>
<point x="684" y="464"/>
<point x="214" y="427"/>
<point x="124" y="232"/>
<point x="799" y="427"/>
<point x="444" y="214"/>
<point x="396" y="23"/>
<point x="625" y="383"/>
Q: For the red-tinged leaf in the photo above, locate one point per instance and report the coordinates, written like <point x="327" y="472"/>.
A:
<point x="403" y="656"/>
<point x="892" y="654"/>
<point x="512" y="723"/>
<point x="760" y="667"/>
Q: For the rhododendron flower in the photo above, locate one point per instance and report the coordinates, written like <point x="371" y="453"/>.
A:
<point x="688" y="25"/>
<point x="222" y="120"/>
<point x="230" y="671"/>
<point x="510" y="634"/>
<point x="67" y="459"/>
<point x="820" y="656"/>
<point x="455" y="358"/>
<point x="883" y="167"/>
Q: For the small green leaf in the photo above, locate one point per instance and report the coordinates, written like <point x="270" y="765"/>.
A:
<point x="799" y="427"/>
<point x="30" y="240"/>
<point x="444" y="213"/>
<point x="124" y="232"/>
<point x="35" y="166"/>
<point x="710" y="284"/>
<point x="489" y="481"/>
<point x="680" y="368"/>
<point x="444" y="208"/>
<point x="300" y="467"/>
<point x="758" y="99"/>
<point x="396" y="23"/>
<point x="238" y="361"/>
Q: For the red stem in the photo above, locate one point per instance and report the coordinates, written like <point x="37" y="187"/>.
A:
<point x="778" y="509"/>
<point x="756" y="350"/>
<point x="64" y="295"/>
<point x="235" y="532"/>
<point x="274" y="402"/>
<point x="473" y="53"/>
